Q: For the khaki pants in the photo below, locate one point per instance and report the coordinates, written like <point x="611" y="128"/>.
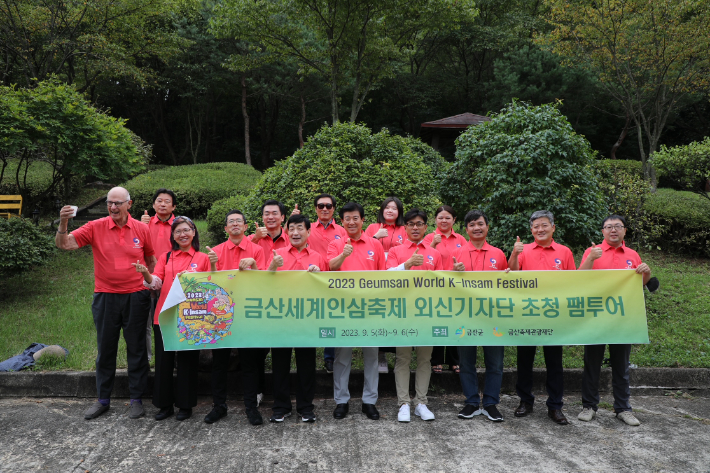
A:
<point x="402" y="373"/>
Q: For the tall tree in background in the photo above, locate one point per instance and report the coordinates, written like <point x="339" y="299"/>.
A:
<point x="647" y="54"/>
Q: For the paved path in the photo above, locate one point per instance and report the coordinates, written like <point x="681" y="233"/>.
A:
<point x="49" y="434"/>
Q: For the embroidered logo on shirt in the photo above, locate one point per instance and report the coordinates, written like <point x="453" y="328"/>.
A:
<point x="458" y="245"/>
<point x="430" y="259"/>
<point x="493" y="263"/>
<point x="337" y="237"/>
<point x="136" y="243"/>
<point x="558" y="262"/>
<point x="371" y="255"/>
<point x="630" y="264"/>
<point x="193" y="267"/>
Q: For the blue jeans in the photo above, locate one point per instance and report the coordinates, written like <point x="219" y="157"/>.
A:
<point x="493" y="358"/>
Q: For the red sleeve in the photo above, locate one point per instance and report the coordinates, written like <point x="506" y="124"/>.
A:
<point x="584" y="256"/>
<point x="260" y="258"/>
<point x="372" y="229"/>
<point x="392" y="258"/>
<point x="569" y="263"/>
<point x="203" y="262"/>
<point x="428" y="238"/>
<point x="521" y="260"/>
<point x="84" y="235"/>
<point x="219" y="250"/>
<point x="503" y="260"/>
<point x="335" y="248"/>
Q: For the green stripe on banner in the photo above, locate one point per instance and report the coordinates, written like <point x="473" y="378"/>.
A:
<point x="232" y="309"/>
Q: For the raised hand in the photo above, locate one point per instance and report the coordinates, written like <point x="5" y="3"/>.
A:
<point x="347" y="249"/>
<point x="259" y="232"/>
<point x="436" y="240"/>
<point x="139" y="267"/>
<point x="518" y="247"/>
<point x="382" y="232"/>
<point x="415" y="260"/>
<point x="66" y="212"/>
<point x="278" y="260"/>
<point x="145" y="218"/>
<point x="459" y="266"/>
<point x="595" y="253"/>
<point x="212" y="255"/>
<point x="295" y="210"/>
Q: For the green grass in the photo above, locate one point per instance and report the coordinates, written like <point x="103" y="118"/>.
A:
<point x="52" y="305"/>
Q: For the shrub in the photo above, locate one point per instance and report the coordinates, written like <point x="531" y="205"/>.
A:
<point x="38" y="179"/>
<point x="216" y="214"/>
<point x="684" y="218"/>
<point x="197" y="186"/>
<point x="687" y="167"/>
<point x="23" y="245"/>
<point x="353" y="164"/>
<point x="527" y="158"/>
<point x="627" y="166"/>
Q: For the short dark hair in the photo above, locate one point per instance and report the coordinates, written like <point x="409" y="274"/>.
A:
<point x="474" y="215"/>
<point x="282" y="207"/>
<point x="232" y="212"/>
<point x="321" y="196"/>
<point x="414" y="213"/>
<point x="299" y="218"/>
<point x="165" y="191"/>
<point x="445" y="208"/>
<point x="352" y="207"/>
<point x="400" y="211"/>
<point x="195" y="239"/>
<point x="614" y="217"/>
<point x="542" y="214"/>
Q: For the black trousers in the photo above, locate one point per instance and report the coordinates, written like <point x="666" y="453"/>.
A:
<point x="555" y="379"/>
<point x="619" y="360"/>
<point x="184" y="393"/>
<point x="451" y="358"/>
<point x="305" y="379"/>
<point x="252" y="363"/>
<point x="113" y="313"/>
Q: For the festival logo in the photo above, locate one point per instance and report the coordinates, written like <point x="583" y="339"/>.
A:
<point x="136" y="243"/>
<point x="497" y="333"/>
<point x="430" y="260"/>
<point x="630" y="264"/>
<point x="193" y="267"/>
<point x="493" y="263"/>
<point x="207" y="314"/>
<point x="371" y="255"/>
<point x="558" y="262"/>
<point x="461" y="332"/>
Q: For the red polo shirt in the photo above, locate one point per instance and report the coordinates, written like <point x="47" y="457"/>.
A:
<point x="321" y="237"/>
<point x="229" y="255"/>
<point x="191" y="261"/>
<point x="488" y="258"/>
<point x="615" y="258"/>
<point x="160" y="234"/>
<point x="115" y="248"/>
<point x="300" y="261"/>
<point x="395" y="235"/>
<point x="367" y="255"/>
<point x="400" y="254"/>
<point x="554" y="257"/>
<point x="447" y="247"/>
<point x="269" y="245"/>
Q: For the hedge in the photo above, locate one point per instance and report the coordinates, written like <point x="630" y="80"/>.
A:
<point x="684" y="218"/>
<point x="197" y="186"/>
<point x="216" y="214"/>
<point x="23" y="245"/>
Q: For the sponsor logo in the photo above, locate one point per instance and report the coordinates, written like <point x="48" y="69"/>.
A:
<point x="497" y="333"/>
<point x="136" y="243"/>
<point x="458" y="245"/>
<point x="430" y="260"/>
<point x="371" y="255"/>
<point x="193" y="267"/>
<point x="558" y="262"/>
<point x="630" y="264"/>
<point x="493" y="263"/>
<point x="337" y="237"/>
<point x="461" y="332"/>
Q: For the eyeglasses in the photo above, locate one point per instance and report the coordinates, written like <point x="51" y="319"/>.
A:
<point x="615" y="227"/>
<point x="181" y="232"/>
<point x="234" y="221"/>
<point x="324" y="206"/>
<point x="416" y="224"/>
<point x="110" y="203"/>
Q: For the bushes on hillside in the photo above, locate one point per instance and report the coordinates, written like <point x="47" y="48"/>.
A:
<point x="197" y="186"/>
<point x="354" y="164"/>
<point x="687" y="167"/>
<point x="527" y="158"/>
<point x="23" y="245"/>
<point x="683" y="219"/>
<point x="216" y="214"/>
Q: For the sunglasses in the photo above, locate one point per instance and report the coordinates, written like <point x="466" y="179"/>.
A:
<point x="324" y="206"/>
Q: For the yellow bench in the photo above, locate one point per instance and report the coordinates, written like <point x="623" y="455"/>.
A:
<point x="10" y="203"/>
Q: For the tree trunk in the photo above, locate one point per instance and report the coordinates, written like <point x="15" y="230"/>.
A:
<point x="624" y="132"/>
<point x="245" y="115"/>
<point x="301" y="123"/>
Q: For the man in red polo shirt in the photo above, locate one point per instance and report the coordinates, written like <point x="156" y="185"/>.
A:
<point x="611" y="254"/>
<point x="120" y="299"/>
<point x="160" y="224"/>
<point x="357" y="252"/>
<point x="271" y="236"/>
<point x="241" y="254"/>
<point x="478" y="255"/>
<point x="542" y="255"/>
<point x="296" y="257"/>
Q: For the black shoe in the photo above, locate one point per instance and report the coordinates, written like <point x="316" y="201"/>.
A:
<point x="523" y="409"/>
<point x="164" y="413"/>
<point x="370" y="411"/>
<point x="183" y="414"/>
<point x="216" y="413"/>
<point x="328" y="366"/>
<point x="308" y="416"/>
<point x="492" y="413"/>
<point x="468" y="411"/>
<point x="557" y="416"/>
<point x="341" y="410"/>
<point x="254" y="416"/>
<point x="279" y="416"/>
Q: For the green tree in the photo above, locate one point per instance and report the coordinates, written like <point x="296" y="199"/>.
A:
<point x="647" y="54"/>
<point x="688" y="167"/>
<point x="54" y="124"/>
<point x="527" y="158"/>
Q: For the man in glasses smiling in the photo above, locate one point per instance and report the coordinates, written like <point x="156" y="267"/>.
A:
<point x="121" y="302"/>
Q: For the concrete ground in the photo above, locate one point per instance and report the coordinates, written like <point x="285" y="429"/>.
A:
<point x="50" y="434"/>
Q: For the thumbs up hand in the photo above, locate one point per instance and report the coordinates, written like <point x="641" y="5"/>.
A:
<point x="382" y="232"/>
<point x="348" y="248"/>
<point x="295" y="210"/>
<point x="259" y="232"/>
<point x="415" y="260"/>
<point x="595" y="253"/>
<point x="145" y="218"/>
<point x="436" y="240"/>
<point x="459" y="266"/>
<point x="518" y="246"/>
<point x="212" y="255"/>
<point x="277" y="260"/>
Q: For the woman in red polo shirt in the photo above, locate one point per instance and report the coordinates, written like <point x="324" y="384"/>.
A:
<point x="184" y="257"/>
<point x="447" y="242"/>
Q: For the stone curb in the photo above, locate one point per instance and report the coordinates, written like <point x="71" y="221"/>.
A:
<point x="644" y="381"/>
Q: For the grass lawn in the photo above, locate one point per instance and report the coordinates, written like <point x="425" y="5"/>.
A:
<point x="52" y="305"/>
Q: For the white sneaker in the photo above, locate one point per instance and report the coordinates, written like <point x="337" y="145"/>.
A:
<point x="403" y="415"/>
<point x="587" y="414"/>
<point x="382" y="363"/>
<point x="259" y="398"/>
<point x="423" y="411"/>
<point x="629" y="418"/>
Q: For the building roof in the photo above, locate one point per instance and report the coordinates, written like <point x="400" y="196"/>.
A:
<point x="462" y="120"/>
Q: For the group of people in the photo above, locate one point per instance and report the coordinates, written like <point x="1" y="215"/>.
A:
<point x="134" y="259"/>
